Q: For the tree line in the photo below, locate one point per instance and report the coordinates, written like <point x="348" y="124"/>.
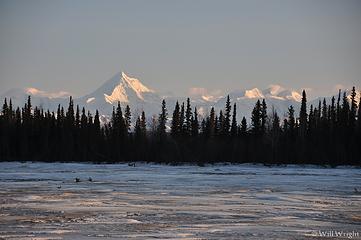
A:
<point x="328" y="133"/>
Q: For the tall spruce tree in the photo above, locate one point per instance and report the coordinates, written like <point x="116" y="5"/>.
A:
<point x="263" y="116"/>
<point x="204" y="127"/>
<point x="345" y="109"/>
<point x="226" y="120"/>
<point x="162" y="120"/>
<point x="77" y="117"/>
<point x="220" y="125"/>
<point x="243" y="130"/>
<point x="333" y="113"/>
<point x="70" y="113"/>
<point x="234" y="121"/>
<point x="212" y="122"/>
<point x="188" y="119"/>
<point x="97" y="122"/>
<point x="303" y="115"/>
<point x="359" y="115"/>
<point x="181" y="119"/>
<point x="138" y="129"/>
<point x="275" y="123"/>
<point x="127" y="119"/>
<point x="143" y="124"/>
<point x="353" y="109"/>
<point x="175" y="125"/>
<point x="291" y="120"/>
<point x="324" y="117"/>
<point x="195" y="124"/>
<point x="256" y="118"/>
<point x="83" y="120"/>
<point x="216" y="126"/>
<point x="338" y="108"/>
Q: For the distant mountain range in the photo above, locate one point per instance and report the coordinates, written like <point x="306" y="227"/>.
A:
<point x="131" y="91"/>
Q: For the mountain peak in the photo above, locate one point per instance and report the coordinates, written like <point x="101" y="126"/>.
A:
<point x="135" y="84"/>
<point x="254" y="93"/>
<point x="40" y="93"/>
<point x="121" y="87"/>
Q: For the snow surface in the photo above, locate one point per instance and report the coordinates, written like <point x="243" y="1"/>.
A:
<point x="42" y="201"/>
<point x="90" y="100"/>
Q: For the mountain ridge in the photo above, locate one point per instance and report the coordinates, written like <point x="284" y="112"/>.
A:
<point x="131" y="91"/>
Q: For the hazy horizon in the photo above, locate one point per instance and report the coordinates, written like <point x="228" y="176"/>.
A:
<point x="76" y="46"/>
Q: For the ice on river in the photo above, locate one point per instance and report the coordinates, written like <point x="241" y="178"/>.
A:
<point x="43" y="201"/>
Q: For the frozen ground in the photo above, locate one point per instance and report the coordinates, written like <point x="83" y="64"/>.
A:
<point x="42" y="201"/>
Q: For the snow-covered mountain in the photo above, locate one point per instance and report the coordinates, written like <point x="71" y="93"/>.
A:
<point x="131" y="91"/>
<point x="276" y="97"/>
<point x="39" y="98"/>
<point x="124" y="89"/>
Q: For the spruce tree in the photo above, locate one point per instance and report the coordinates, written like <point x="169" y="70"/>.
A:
<point x="58" y="117"/>
<point x="324" y="118"/>
<point x="195" y="124"/>
<point x="181" y="120"/>
<point x="77" y="117"/>
<point x="212" y="122"/>
<point x="319" y="116"/>
<point x="359" y="115"/>
<point x="188" y="119"/>
<point x="353" y="109"/>
<point x="338" y="108"/>
<point x="204" y="129"/>
<point x="333" y="112"/>
<point x="275" y="123"/>
<point x="234" y="121"/>
<point x="97" y="122"/>
<point x="84" y="119"/>
<point x="175" y="125"/>
<point x="90" y="120"/>
<point x="256" y="118"/>
<point x="5" y="109"/>
<point x="138" y="129"/>
<point x="345" y="109"/>
<point x="143" y="124"/>
<point x="243" y="130"/>
<point x="119" y="125"/>
<point x="303" y="115"/>
<point x="216" y="126"/>
<point x="29" y="107"/>
<point x="291" y="120"/>
<point x="127" y="119"/>
<point x="263" y="116"/>
<point x="11" y="112"/>
<point x="226" y="119"/>
<point x="220" y="125"/>
<point x="162" y="120"/>
<point x="70" y="113"/>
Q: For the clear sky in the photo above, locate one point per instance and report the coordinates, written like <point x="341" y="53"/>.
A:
<point x="76" y="45"/>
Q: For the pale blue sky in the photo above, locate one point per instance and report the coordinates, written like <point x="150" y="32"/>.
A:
<point x="76" y="45"/>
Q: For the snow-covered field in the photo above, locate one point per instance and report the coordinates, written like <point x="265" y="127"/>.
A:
<point x="43" y="201"/>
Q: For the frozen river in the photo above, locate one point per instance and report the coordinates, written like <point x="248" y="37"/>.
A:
<point x="43" y="201"/>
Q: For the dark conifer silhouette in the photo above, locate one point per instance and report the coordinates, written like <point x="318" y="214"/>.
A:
<point x="243" y="129"/>
<point x="328" y="134"/>
<point x="195" y="123"/>
<point x="176" y="125"/>
<point x="256" y="118"/>
<point x="162" y="120"/>
<point x="234" y="121"/>
<point x="303" y="115"/>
